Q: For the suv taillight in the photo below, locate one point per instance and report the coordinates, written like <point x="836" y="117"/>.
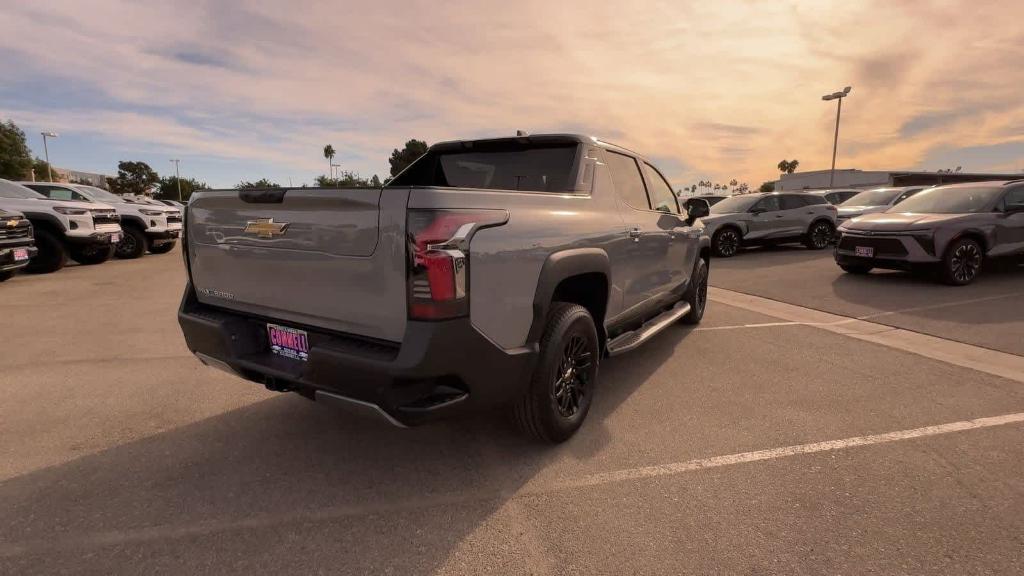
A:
<point x="438" y="259"/>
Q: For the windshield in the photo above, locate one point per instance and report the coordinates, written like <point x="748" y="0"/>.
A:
<point x="878" y="197"/>
<point x="12" y="190"/>
<point x="950" y="201"/>
<point x="734" y="204"/>
<point x="99" y="194"/>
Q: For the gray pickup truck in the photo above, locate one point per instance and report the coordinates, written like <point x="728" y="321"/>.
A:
<point x="489" y="273"/>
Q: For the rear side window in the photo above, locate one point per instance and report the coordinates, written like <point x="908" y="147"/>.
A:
<point x="662" y="197"/>
<point x="789" y="202"/>
<point x="502" y="165"/>
<point x="628" y="182"/>
<point x="812" y="199"/>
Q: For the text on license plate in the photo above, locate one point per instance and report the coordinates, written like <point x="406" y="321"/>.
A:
<point x="20" y="254"/>
<point x="288" y="342"/>
<point x="865" y="251"/>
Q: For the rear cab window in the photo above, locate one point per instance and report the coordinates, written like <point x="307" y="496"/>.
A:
<point x="496" y="165"/>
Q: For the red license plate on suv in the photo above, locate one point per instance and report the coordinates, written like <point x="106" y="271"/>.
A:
<point x="20" y="254"/>
<point x="288" y="342"/>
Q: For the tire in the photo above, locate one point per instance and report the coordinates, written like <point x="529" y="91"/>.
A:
<point x="92" y="255"/>
<point x="133" y="245"/>
<point x="5" y="276"/>
<point x="163" y="248"/>
<point x="553" y="408"/>
<point x="855" y="268"/>
<point x="962" y="262"/>
<point x="820" y="235"/>
<point x="52" y="255"/>
<point x="726" y="242"/>
<point x="697" y="293"/>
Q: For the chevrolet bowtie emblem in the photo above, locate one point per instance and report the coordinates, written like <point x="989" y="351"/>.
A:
<point x="12" y="223"/>
<point x="265" y="227"/>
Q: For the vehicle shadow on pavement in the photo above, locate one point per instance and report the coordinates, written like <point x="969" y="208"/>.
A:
<point x="285" y="485"/>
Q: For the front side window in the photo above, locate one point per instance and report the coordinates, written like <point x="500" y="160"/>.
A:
<point x="662" y="197"/>
<point x="52" y="192"/>
<point x="627" y="180"/>
<point x="1014" y="200"/>
<point x="767" y="204"/>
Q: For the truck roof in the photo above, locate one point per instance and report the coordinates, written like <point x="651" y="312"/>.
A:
<point x="536" y="138"/>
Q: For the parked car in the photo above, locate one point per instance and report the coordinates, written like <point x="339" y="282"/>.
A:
<point x="488" y="273"/>
<point x="953" y="228"/>
<point x="86" y="234"/>
<point x="710" y="199"/>
<point x="770" y="218"/>
<point x="16" y="244"/>
<point x="836" y="196"/>
<point x="874" y="201"/>
<point x="147" y="227"/>
<point x="172" y="204"/>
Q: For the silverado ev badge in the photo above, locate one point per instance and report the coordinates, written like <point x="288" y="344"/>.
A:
<point x="265" y="227"/>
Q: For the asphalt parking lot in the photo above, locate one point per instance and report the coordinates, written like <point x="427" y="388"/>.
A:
<point x="754" y="444"/>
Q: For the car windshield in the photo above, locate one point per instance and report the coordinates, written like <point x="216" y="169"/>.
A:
<point x="12" y="190"/>
<point x="99" y="194"/>
<point x="950" y="201"/>
<point x="734" y="204"/>
<point x="878" y="197"/>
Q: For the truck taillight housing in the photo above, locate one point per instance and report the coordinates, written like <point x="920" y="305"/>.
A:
<point x="438" y="259"/>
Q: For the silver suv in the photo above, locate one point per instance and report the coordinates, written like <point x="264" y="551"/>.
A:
<point x="953" y="229"/>
<point x="771" y="218"/>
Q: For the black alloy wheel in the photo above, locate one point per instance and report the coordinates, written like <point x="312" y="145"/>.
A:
<point x="820" y="235"/>
<point x="962" y="263"/>
<point x="726" y="242"/>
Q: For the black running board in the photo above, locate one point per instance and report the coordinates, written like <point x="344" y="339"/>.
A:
<point x="630" y="340"/>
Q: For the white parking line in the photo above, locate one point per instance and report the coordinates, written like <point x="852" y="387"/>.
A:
<point x="984" y="360"/>
<point x="744" y="457"/>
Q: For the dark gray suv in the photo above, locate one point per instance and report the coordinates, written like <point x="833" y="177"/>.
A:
<point x="772" y="218"/>
<point x="954" y="228"/>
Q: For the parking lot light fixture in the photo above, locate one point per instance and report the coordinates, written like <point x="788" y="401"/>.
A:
<point x="835" y="141"/>
<point x="46" y="151"/>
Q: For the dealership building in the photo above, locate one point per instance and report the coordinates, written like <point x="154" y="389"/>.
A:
<point x="853" y="178"/>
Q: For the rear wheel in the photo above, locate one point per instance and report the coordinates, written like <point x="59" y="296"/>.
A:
<point x="163" y="248"/>
<point x="90" y="255"/>
<point x="697" y="293"/>
<point x="855" y="268"/>
<point x="133" y="245"/>
<point x="52" y="255"/>
<point x="962" y="262"/>
<point x="726" y="242"/>
<point x="562" y="387"/>
<point x="819" y="235"/>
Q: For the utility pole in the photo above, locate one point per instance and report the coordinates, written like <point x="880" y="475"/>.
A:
<point x="177" y="176"/>
<point x="835" y="141"/>
<point x="46" y="151"/>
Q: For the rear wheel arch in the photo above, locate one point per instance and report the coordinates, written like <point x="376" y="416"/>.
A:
<point x="580" y="276"/>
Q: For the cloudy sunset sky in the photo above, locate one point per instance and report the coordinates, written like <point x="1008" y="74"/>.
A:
<point x="710" y="90"/>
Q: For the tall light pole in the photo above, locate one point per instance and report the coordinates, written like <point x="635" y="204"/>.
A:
<point x="49" y="171"/>
<point x="835" y="142"/>
<point x="177" y="176"/>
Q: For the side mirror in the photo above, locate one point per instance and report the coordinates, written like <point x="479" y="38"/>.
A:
<point x="697" y="208"/>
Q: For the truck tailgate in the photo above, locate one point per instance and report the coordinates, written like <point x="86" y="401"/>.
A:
<point x="333" y="259"/>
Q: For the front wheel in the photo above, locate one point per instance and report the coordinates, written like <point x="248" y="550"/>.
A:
<point x="726" y="242"/>
<point x="163" y="248"/>
<point x="90" y="255"/>
<point x="819" y="235"/>
<point x="133" y="245"/>
<point x="562" y="387"/>
<point x="962" y="262"/>
<point x="52" y="255"/>
<point x="697" y="293"/>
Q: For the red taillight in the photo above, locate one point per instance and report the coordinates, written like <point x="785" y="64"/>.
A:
<point x="439" y="259"/>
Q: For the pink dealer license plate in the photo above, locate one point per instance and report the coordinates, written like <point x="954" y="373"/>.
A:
<point x="288" y="342"/>
<point x="20" y="254"/>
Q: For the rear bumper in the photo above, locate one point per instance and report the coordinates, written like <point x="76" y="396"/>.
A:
<point x="7" y="261"/>
<point x="441" y="369"/>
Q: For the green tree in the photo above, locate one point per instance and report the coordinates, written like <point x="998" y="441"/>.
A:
<point x="133" y="178"/>
<point x="767" y="187"/>
<point x="42" y="170"/>
<point x="329" y="153"/>
<point x="15" y="157"/>
<point x="261" y="183"/>
<point x="400" y="159"/>
<point x="347" y="179"/>
<point x="169" y="188"/>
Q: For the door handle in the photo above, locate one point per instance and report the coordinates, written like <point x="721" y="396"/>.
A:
<point x="634" y="233"/>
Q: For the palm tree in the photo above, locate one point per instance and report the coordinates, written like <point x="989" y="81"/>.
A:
<point x="783" y="166"/>
<point x="792" y="166"/>
<point x="329" y="154"/>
